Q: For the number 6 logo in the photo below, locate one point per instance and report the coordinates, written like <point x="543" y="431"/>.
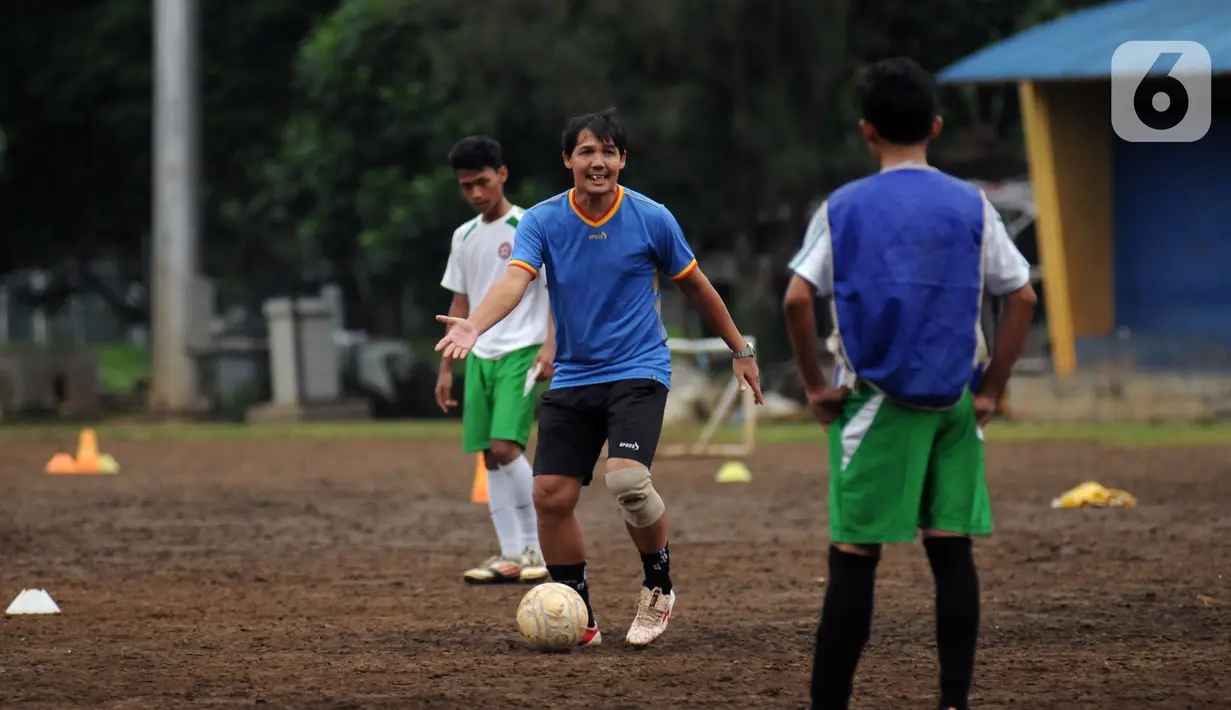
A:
<point x="1160" y="92"/>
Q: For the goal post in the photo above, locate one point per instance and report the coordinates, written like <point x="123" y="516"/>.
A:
<point x="720" y="411"/>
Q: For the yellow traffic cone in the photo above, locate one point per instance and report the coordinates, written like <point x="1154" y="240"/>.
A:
<point x="733" y="472"/>
<point x="478" y="492"/>
<point x="108" y="464"/>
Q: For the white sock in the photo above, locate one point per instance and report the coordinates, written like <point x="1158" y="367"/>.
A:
<point x="501" y="501"/>
<point x="521" y="476"/>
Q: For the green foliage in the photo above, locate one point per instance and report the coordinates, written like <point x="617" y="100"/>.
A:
<point x="247" y="72"/>
<point x="739" y="113"/>
<point x="76" y="108"/>
<point x="359" y="180"/>
<point x="120" y="366"/>
<point x="327" y="123"/>
<point x="76" y="113"/>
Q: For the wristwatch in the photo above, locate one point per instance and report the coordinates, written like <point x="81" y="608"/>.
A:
<point x="748" y="351"/>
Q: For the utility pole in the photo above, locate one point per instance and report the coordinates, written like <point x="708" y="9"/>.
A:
<point x="177" y="209"/>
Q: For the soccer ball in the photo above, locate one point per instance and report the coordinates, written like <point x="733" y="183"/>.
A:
<point x="552" y="617"/>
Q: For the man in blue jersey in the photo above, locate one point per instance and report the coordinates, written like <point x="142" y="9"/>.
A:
<point x="905" y="256"/>
<point x="603" y="246"/>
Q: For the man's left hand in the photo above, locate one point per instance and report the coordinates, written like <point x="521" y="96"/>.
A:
<point x="749" y="375"/>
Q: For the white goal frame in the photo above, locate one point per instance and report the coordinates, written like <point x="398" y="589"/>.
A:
<point x="704" y="447"/>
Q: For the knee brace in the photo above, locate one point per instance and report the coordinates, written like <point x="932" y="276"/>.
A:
<point x="636" y="495"/>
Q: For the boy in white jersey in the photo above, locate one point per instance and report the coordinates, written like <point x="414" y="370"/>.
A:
<point x="497" y="413"/>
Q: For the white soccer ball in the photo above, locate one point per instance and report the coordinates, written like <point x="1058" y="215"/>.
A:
<point x="552" y="617"/>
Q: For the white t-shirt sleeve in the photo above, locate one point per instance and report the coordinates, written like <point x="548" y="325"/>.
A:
<point x="455" y="276"/>
<point x="814" y="261"/>
<point x="1005" y="270"/>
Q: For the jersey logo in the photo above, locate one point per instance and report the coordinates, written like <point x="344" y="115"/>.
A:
<point x="506" y="250"/>
<point x="599" y="235"/>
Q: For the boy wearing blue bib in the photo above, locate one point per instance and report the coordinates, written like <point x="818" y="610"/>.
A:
<point x="905" y="257"/>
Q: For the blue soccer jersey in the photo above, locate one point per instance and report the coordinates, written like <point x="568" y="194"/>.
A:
<point x="602" y="278"/>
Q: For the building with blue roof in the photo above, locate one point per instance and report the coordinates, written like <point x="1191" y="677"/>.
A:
<point x="1134" y="237"/>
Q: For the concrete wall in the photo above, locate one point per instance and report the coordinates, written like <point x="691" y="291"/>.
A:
<point x="1122" y="397"/>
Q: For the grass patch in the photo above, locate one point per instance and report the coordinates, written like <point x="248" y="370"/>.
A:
<point x="450" y="429"/>
<point x="121" y="365"/>
<point x="420" y="429"/>
<point x="1039" y="432"/>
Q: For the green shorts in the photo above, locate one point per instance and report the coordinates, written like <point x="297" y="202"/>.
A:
<point x="896" y="469"/>
<point x="493" y="403"/>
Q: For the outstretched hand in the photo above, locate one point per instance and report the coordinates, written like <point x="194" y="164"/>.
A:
<point x="749" y="375"/>
<point x="460" y="339"/>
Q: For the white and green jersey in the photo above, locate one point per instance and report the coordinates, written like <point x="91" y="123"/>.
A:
<point x="478" y="258"/>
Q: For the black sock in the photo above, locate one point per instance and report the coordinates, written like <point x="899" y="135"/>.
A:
<point x="957" y="616"/>
<point x="846" y="623"/>
<point x="657" y="566"/>
<point x="574" y="576"/>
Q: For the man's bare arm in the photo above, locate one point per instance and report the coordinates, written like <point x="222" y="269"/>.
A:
<point x="705" y="299"/>
<point x="458" y="308"/>
<point x="798" y="304"/>
<point x="500" y="301"/>
<point x="1010" y="337"/>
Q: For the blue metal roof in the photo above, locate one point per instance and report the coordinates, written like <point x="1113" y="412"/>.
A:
<point x="1080" y="45"/>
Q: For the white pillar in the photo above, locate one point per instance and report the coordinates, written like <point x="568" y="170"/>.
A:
<point x="177" y="208"/>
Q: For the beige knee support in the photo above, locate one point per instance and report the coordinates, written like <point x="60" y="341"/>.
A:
<point x="635" y="492"/>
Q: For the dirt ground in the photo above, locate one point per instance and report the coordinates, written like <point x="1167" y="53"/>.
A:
<point x="325" y="574"/>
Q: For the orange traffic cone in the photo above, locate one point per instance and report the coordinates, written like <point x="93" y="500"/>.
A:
<point x="61" y="464"/>
<point x="87" y="452"/>
<point x="478" y="492"/>
<point x="88" y="459"/>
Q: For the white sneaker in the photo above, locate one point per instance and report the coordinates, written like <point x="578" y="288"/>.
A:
<point x="494" y="570"/>
<point x="533" y="569"/>
<point x="653" y="614"/>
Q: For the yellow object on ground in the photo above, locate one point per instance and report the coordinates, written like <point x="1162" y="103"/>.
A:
<point x="1092" y="494"/>
<point x="733" y="472"/>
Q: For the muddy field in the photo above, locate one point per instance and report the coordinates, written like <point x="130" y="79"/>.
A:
<point x="325" y="574"/>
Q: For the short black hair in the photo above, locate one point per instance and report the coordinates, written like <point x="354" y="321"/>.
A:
<point x="476" y="153"/>
<point x="605" y="125"/>
<point x="898" y="97"/>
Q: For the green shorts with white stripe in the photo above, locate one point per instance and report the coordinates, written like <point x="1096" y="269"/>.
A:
<point x="895" y="469"/>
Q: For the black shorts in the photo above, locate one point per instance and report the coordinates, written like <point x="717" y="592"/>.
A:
<point x="575" y="422"/>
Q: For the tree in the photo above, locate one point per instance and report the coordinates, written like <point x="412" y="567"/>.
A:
<point x="327" y="124"/>
<point x="77" y="107"/>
